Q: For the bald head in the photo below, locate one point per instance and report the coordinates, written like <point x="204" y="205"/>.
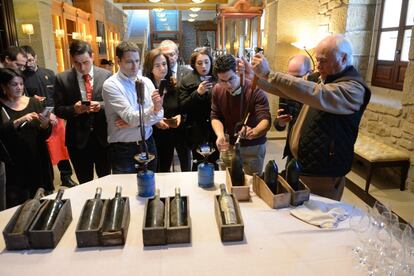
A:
<point x="299" y="65"/>
<point x="333" y="55"/>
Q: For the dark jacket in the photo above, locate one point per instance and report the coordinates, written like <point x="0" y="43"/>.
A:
<point x="197" y="108"/>
<point x="40" y="83"/>
<point x="80" y="127"/>
<point x="326" y="145"/>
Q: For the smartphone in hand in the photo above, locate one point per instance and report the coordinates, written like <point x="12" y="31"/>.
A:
<point x="47" y="110"/>
<point x="86" y="103"/>
<point x="285" y="108"/>
<point x="163" y="86"/>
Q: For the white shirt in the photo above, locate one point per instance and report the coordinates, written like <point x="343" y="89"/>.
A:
<point x="174" y="70"/>
<point x="121" y="102"/>
<point x="81" y="83"/>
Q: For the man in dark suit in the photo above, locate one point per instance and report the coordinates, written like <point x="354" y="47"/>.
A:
<point x="78" y="100"/>
<point x="170" y="49"/>
<point x="39" y="83"/>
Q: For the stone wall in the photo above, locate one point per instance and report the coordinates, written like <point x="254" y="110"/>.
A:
<point x="38" y="13"/>
<point x="287" y="21"/>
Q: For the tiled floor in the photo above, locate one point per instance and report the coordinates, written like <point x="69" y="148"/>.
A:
<point x="401" y="203"/>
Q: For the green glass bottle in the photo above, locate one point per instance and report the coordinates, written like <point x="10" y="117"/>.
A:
<point x="237" y="174"/>
<point x="28" y="212"/>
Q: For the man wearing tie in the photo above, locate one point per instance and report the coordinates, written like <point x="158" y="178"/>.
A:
<point x="78" y="100"/>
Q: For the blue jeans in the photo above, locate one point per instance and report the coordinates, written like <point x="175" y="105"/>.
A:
<point x="122" y="156"/>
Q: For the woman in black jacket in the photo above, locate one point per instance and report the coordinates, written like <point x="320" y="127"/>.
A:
<point x="168" y="133"/>
<point x="195" y="100"/>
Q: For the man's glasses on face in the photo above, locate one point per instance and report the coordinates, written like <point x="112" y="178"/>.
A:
<point x="171" y="54"/>
<point x="21" y="66"/>
<point x="230" y="80"/>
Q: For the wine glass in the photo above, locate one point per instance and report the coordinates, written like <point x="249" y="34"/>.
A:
<point x="360" y="222"/>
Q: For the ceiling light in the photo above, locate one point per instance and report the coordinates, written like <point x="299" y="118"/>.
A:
<point x="158" y="10"/>
<point x="195" y="9"/>
<point x="154" y="1"/>
<point x="193" y="15"/>
<point x="198" y="1"/>
<point x="163" y="19"/>
<point x="161" y="14"/>
<point x="191" y="19"/>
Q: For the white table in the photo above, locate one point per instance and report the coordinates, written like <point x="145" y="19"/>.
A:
<point x="275" y="242"/>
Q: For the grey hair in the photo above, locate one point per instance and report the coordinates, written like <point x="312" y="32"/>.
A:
<point x="167" y="42"/>
<point x="343" y="46"/>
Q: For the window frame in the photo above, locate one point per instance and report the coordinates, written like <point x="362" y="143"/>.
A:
<point x="386" y="73"/>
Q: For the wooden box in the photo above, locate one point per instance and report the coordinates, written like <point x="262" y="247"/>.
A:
<point x="86" y="238"/>
<point x="233" y="232"/>
<point x="242" y="193"/>
<point x="18" y="241"/>
<point x="41" y="239"/>
<point x="297" y="197"/>
<point x="154" y="235"/>
<point x="110" y="238"/>
<point x="179" y="234"/>
<point x="275" y="201"/>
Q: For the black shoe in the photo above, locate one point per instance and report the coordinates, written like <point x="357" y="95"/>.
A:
<point x="67" y="181"/>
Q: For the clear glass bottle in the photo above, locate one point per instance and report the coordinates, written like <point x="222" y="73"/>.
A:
<point x="228" y="211"/>
<point x="237" y="174"/>
<point x="177" y="210"/>
<point x="53" y="211"/>
<point x="113" y="220"/>
<point x="156" y="211"/>
<point x="28" y="212"/>
<point x="92" y="212"/>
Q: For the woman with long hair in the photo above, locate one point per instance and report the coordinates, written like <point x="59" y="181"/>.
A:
<point x="168" y="133"/>
<point x="29" y="167"/>
<point x="195" y="100"/>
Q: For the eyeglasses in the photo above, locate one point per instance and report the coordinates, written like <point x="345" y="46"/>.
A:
<point x="230" y="80"/>
<point x="171" y="54"/>
<point x="20" y="65"/>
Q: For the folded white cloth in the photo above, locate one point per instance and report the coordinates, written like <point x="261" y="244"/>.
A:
<point x="324" y="215"/>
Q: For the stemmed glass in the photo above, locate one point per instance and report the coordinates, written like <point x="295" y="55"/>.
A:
<point x="360" y="222"/>
<point x="406" y="266"/>
<point x="205" y="150"/>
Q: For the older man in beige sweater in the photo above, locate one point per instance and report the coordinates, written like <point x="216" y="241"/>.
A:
<point x="324" y="134"/>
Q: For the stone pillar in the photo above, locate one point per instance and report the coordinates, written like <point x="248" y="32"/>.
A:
<point x="286" y="22"/>
<point x="38" y="13"/>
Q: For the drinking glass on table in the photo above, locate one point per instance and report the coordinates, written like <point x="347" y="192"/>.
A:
<point x="360" y="223"/>
<point x="224" y="147"/>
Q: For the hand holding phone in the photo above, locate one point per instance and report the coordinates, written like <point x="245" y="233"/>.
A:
<point x="86" y="103"/>
<point x="163" y="86"/>
<point x="285" y="108"/>
<point x="47" y="110"/>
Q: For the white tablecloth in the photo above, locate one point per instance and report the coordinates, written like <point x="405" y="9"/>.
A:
<point x="275" y="242"/>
